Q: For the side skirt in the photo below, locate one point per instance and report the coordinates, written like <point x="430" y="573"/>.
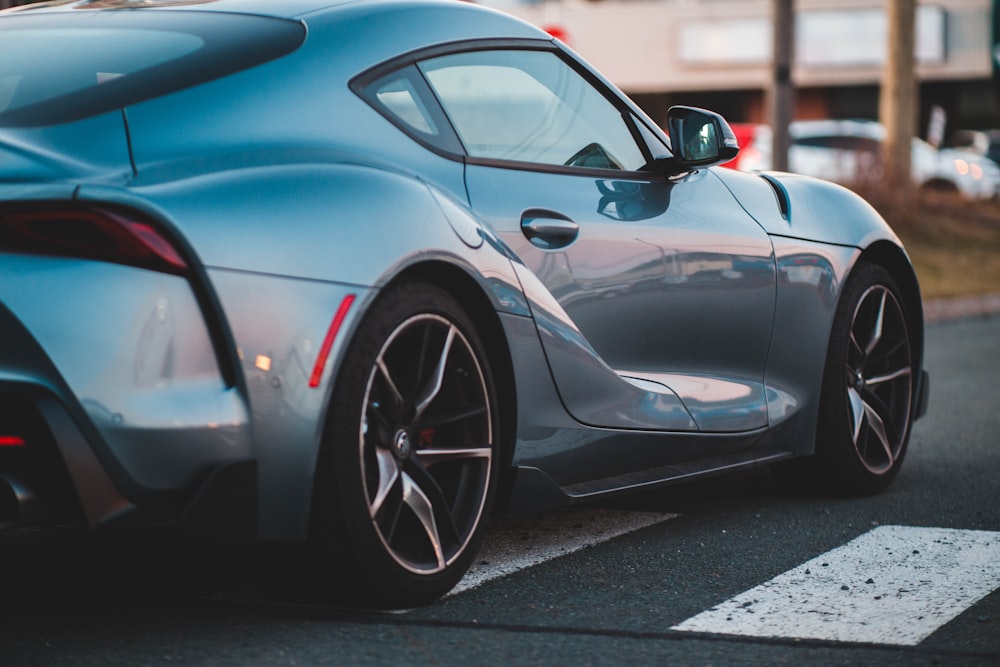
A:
<point x="534" y="490"/>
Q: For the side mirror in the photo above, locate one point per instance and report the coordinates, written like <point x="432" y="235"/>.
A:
<point x="699" y="138"/>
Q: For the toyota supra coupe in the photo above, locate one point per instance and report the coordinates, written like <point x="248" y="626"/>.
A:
<point x="364" y="275"/>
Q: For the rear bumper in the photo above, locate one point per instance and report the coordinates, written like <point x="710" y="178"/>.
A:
<point x="114" y="404"/>
<point x="54" y="476"/>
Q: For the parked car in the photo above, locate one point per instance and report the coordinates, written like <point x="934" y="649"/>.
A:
<point x="364" y="275"/>
<point x="979" y="142"/>
<point x="848" y="151"/>
<point x="749" y="157"/>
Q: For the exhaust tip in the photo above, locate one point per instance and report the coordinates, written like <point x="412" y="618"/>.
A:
<point x="18" y="503"/>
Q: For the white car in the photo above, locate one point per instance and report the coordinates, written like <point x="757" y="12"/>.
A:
<point x="848" y="151"/>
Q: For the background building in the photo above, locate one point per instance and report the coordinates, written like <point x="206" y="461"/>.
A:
<point x="717" y="54"/>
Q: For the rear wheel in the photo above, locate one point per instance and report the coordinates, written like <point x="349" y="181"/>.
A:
<point x="866" y="404"/>
<point x="411" y="464"/>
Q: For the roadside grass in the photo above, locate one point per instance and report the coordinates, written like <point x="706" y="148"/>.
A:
<point x="954" y="243"/>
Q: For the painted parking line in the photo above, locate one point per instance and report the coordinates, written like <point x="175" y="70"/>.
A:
<point x="522" y="543"/>
<point x="892" y="585"/>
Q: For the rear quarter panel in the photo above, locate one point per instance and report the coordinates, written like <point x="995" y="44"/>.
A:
<point x="282" y="246"/>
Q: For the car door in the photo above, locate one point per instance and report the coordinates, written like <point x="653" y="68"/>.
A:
<point x="663" y="287"/>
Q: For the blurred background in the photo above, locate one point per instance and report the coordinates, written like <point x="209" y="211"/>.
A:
<point x="718" y="54"/>
<point x="897" y="99"/>
<point x="834" y="57"/>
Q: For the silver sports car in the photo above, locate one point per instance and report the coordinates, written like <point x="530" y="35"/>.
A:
<point x="363" y="275"/>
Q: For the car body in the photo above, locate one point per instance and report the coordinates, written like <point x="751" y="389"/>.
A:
<point x="848" y="151"/>
<point x="361" y="275"/>
<point x="981" y="142"/>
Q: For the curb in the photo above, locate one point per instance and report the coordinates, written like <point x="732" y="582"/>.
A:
<point x="943" y="310"/>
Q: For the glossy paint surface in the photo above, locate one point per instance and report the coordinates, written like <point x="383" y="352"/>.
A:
<point x="143" y="367"/>
<point x="663" y="277"/>
<point x="644" y="326"/>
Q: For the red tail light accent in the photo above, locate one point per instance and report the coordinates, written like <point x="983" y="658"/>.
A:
<point x="11" y="441"/>
<point x="331" y="335"/>
<point x="98" y="234"/>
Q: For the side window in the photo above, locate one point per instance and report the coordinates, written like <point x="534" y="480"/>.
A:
<point x="531" y="106"/>
<point x="400" y="98"/>
<point x="814" y="142"/>
<point x="403" y="97"/>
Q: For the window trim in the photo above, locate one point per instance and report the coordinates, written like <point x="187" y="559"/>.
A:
<point x="362" y="85"/>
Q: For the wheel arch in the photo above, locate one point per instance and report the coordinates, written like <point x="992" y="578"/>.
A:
<point x="471" y="295"/>
<point x="939" y="184"/>
<point x="413" y="318"/>
<point x="893" y="258"/>
<point x="827" y="468"/>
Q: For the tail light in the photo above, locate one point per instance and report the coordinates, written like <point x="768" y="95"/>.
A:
<point x="98" y="234"/>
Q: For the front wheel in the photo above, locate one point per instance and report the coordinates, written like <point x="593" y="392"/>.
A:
<point x="410" y="460"/>
<point x="866" y="404"/>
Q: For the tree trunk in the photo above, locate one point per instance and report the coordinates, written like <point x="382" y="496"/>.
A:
<point x="781" y="93"/>
<point x="898" y="101"/>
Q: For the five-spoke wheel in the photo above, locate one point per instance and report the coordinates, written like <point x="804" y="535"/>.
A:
<point x="867" y="396"/>
<point x="426" y="445"/>
<point x="411" y="449"/>
<point x="879" y="379"/>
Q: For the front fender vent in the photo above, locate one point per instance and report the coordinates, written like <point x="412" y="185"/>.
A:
<point x="784" y="204"/>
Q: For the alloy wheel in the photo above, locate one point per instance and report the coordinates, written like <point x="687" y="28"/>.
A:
<point x="426" y="443"/>
<point x="879" y="379"/>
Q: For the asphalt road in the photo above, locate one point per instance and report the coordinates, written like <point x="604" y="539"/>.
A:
<point x="614" y="602"/>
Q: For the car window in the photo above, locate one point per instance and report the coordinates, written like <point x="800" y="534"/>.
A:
<point x="57" y="68"/>
<point x="531" y="106"/>
<point x="400" y="98"/>
<point x="100" y="56"/>
<point x="839" y="142"/>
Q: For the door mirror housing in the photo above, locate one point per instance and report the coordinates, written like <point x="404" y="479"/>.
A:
<point x="698" y="138"/>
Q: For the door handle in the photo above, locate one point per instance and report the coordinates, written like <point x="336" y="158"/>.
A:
<point x="548" y="229"/>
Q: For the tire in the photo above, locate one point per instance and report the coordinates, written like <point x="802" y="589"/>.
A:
<point x="408" y="475"/>
<point x="866" y="401"/>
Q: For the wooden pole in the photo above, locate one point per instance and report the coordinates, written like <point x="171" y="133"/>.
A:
<point x="781" y="93"/>
<point x="898" y="99"/>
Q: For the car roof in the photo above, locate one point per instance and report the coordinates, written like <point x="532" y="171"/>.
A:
<point x="275" y="8"/>
<point x="458" y="20"/>
<point x="286" y="9"/>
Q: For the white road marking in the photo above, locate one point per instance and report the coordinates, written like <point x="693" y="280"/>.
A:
<point x="892" y="585"/>
<point x="521" y="543"/>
